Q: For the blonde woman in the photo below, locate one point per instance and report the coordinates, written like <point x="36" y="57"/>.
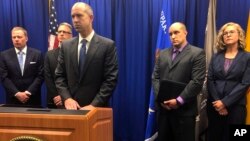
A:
<point x="228" y="80"/>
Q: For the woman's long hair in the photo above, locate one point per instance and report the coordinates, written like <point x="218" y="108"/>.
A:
<point x="221" y="46"/>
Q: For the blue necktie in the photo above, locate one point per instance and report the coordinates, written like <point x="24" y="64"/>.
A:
<point x="20" y="60"/>
<point x="82" y="55"/>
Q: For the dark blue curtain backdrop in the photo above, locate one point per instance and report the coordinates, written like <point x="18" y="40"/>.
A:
<point x="133" y="24"/>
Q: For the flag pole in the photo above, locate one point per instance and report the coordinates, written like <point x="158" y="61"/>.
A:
<point x="248" y="49"/>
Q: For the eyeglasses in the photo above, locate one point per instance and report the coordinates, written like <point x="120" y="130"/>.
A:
<point x="62" y="31"/>
<point x="229" y="32"/>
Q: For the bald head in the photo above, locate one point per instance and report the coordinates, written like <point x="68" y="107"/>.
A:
<point x="84" y="6"/>
<point x="82" y="18"/>
<point x="178" y="25"/>
<point x="178" y="34"/>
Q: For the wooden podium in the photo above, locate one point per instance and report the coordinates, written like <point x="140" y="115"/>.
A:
<point x="56" y="124"/>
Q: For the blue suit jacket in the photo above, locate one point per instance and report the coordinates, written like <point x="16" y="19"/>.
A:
<point x="229" y="87"/>
<point x="12" y="78"/>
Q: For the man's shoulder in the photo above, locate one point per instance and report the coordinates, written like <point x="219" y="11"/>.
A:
<point x="196" y="50"/>
<point x="165" y="50"/>
<point x="7" y="51"/>
<point x="51" y="52"/>
<point x="69" y="43"/>
<point x="102" y="38"/>
<point x="73" y="39"/>
<point x="34" y="50"/>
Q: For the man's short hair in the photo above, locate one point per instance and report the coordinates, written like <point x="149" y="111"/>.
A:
<point x="20" y="28"/>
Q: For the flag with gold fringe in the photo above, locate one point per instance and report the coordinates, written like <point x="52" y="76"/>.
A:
<point x="248" y="49"/>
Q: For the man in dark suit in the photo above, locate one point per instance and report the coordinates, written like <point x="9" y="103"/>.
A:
<point x="183" y="67"/>
<point x="21" y="70"/>
<point x="87" y="69"/>
<point x="54" y="100"/>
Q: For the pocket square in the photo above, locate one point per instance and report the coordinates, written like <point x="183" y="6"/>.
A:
<point x="32" y="62"/>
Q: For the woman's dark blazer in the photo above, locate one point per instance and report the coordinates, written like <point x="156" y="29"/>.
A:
<point x="229" y="87"/>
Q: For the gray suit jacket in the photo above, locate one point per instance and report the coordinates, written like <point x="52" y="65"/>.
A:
<point x="189" y="68"/>
<point x="99" y="77"/>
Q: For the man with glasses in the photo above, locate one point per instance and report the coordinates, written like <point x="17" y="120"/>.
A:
<point x="53" y="98"/>
<point x="64" y="32"/>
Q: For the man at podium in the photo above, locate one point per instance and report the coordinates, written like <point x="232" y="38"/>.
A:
<point x="87" y="69"/>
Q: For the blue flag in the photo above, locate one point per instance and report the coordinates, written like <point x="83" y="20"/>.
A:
<point x="163" y="41"/>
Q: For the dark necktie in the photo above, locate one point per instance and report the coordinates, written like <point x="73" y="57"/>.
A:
<point x="82" y="55"/>
<point x="175" y="53"/>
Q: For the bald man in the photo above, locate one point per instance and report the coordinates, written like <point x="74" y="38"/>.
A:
<point x="87" y="69"/>
<point x="181" y="69"/>
<point x="54" y="100"/>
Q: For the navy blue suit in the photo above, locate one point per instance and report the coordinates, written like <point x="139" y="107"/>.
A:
<point x="13" y="80"/>
<point x="230" y="87"/>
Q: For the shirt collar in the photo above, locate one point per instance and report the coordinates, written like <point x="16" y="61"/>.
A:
<point x="179" y="49"/>
<point x="24" y="50"/>
<point x="88" y="38"/>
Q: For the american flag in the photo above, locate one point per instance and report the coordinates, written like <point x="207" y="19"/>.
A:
<point x="53" y="25"/>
